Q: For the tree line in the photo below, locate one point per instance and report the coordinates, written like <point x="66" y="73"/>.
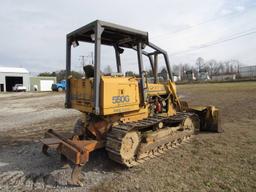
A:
<point x="212" y="67"/>
<point x="60" y="75"/>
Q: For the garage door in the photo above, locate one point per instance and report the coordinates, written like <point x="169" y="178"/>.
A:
<point x="11" y="81"/>
<point x="46" y="85"/>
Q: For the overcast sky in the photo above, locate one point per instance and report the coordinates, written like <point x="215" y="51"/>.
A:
<point x="33" y="32"/>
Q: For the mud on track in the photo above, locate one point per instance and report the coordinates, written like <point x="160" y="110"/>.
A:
<point x="209" y="162"/>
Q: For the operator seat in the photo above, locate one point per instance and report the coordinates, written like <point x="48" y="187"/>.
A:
<point x="89" y="71"/>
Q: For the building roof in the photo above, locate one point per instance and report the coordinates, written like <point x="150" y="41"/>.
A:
<point x="13" y="70"/>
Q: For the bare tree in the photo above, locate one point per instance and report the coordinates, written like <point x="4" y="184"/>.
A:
<point x="212" y="64"/>
<point x="163" y="73"/>
<point x="199" y="63"/>
<point x="107" y="69"/>
<point x="129" y="74"/>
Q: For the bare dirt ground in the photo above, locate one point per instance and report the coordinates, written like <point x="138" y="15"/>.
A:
<point x="209" y="162"/>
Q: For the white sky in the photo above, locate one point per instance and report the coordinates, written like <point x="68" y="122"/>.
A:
<point x="33" y="32"/>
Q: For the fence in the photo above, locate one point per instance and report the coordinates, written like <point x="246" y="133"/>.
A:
<point x="247" y="72"/>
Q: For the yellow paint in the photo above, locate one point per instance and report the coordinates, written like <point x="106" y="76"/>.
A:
<point x="82" y="94"/>
<point x="140" y="114"/>
<point x="157" y="89"/>
<point x="120" y="96"/>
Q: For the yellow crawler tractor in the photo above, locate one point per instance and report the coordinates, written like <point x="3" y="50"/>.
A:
<point x="132" y="118"/>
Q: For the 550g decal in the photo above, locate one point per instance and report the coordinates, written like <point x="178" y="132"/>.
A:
<point x="120" y="99"/>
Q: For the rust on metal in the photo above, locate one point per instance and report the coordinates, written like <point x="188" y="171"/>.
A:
<point x="75" y="150"/>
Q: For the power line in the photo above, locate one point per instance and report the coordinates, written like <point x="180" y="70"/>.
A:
<point x="214" y="43"/>
<point x="235" y="34"/>
<point x="201" y="23"/>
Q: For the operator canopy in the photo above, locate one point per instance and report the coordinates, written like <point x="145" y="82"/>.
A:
<point x="112" y="34"/>
<point x="105" y="33"/>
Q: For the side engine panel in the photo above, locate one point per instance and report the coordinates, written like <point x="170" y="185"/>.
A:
<point x="119" y="95"/>
<point x="82" y="94"/>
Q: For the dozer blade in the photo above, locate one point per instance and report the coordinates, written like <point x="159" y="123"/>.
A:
<point x="209" y="118"/>
<point x="75" y="150"/>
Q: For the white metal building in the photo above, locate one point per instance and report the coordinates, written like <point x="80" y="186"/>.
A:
<point x="9" y="76"/>
<point x="224" y="77"/>
<point x="247" y="71"/>
<point x="41" y="83"/>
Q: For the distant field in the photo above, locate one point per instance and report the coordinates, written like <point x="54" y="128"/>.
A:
<point x="208" y="162"/>
<point x="248" y="85"/>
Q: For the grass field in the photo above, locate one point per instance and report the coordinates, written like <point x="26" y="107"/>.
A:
<point x="209" y="162"/>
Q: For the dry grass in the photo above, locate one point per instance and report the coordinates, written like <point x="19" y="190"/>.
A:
<point x="210" y="162"/>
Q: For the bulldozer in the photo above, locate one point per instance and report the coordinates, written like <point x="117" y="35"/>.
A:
<point x="133" y="117"/>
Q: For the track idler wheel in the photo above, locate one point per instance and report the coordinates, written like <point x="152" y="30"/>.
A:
<point x="129" y="145"/>
<point x="123" y="149"/>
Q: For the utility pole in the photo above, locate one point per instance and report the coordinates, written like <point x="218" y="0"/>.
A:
<point x="82" y="60"/>
<point x="82" y="63"/>
<point x="92" y="56"/>
<point x="86" y="59"/>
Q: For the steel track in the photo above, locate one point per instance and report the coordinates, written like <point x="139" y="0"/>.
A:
<point x="115" y="136"/>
